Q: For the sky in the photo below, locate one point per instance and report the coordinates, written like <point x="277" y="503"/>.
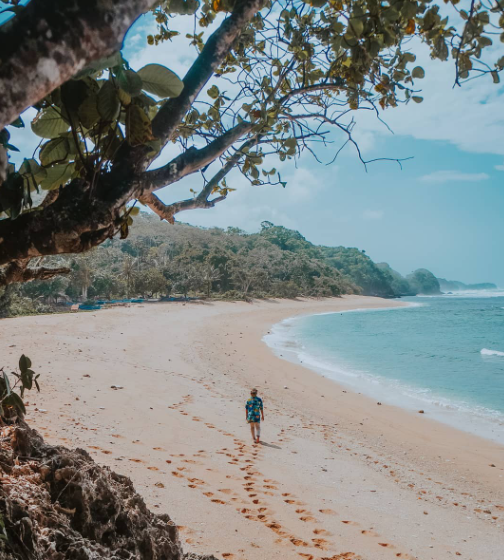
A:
<point x="442" y="211"/>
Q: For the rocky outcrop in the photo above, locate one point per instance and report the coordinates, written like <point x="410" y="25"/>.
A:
<point x="58" y="504"/>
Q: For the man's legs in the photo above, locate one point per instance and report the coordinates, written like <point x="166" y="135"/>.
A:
<point x="252" y="430"/>
<point x="255" y="428"/>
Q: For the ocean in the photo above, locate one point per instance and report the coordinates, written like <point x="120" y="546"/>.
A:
<point x="441" y="354"/>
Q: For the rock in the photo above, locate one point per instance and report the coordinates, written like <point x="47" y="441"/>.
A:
<point x="378" y="403"/>
<point x="421" y="412"/>
<point x="285" y="387"/>
<point x="116" y="387"/>
<point x="61" y="505"/>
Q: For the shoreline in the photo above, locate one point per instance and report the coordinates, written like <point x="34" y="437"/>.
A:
<point x="452" y="412"/>
<point x="336" y="477"/>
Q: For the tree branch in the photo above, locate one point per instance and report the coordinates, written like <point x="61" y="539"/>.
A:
<point x="73" y="223"/>
<point x="168" y="211"/>
<point x="190" y="161"/>
<point x="18" y="271"/>
<point x="49" y="41"/>
<point x="214" y="52"/>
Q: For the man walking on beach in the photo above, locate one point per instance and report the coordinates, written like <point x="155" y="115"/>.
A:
<point x="254" y="412"/>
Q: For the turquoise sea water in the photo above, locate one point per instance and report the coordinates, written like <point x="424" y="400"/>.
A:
<point x="444" y="355"/>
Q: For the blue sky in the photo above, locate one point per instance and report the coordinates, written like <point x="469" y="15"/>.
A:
<point x="442" y="211"/>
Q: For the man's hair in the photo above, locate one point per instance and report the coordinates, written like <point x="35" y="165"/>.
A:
<point x="253" y="392"/>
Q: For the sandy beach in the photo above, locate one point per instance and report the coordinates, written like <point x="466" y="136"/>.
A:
<point x="336" y="477"/>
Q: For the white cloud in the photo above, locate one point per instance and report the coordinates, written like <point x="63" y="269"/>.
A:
<point x="249" y="205"/>
<point x="372" y="214"/>
<point x="466" y="116"/>
<point x="439" y="177"/>
<point x="499" y="167"/>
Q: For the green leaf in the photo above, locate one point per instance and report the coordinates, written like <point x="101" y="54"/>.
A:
<point x="24" y="363"/>
<point x="134" y="211"/>
<point x="108" y="102"/>
<point x="124" y="97"/>
<point x="357" y="26"/>
<point x="130" y="82"/>
<point x="138" y="126"/>
<point x="27" y="379"/>
<point x="495" y="77"/>
<point x="484" y="41"/>
<point x="99" y="65"/>
<point x="417" y="99"/>
<point x="418" y="72"/>
<point x="88" y="111"/>
<point x="58" y="175"/>
<point x="213" y="92"/>
<point x="30" y="170"/>
<point x="15" y="400"/>
<point x="18" y="123"/>
<point x="145" y="100"/>
<point x="54" y="151"/>
<point x="160" y="81"/>
<point x="49" y="123"/>
<point x="7" y="383"/>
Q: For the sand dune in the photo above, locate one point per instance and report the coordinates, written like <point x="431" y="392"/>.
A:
<point x="337" y="477"/>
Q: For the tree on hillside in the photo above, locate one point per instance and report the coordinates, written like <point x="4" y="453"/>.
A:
<point x="269" y="77"/>
<point x="424" y="282"/>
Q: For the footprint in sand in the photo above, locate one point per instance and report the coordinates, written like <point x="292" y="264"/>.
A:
<point x="177" y="474"/>
<point x="275" y="527"/>
<point x="370" y="533"/>
<point x="385" y="545"/>
<point x="349" y="522"/>
<point x="216" y="501"/>
<point x="320" y="544"/>
<point x="298" y="542"/>
<point x="196" y="481"/>
<point x="327" y="511"/>
<point x="153" y="468"/>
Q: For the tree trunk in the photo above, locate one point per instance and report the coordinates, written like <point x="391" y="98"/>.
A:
<point x="49" y="41"/>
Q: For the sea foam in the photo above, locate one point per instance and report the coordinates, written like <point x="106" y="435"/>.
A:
<point x="487" y="352"/>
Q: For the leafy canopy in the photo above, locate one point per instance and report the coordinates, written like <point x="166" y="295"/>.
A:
<point x="267" y="81"/>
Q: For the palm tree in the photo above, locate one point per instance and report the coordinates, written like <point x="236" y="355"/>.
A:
<point x="128" y="273"/>
<point x="210" y="275"/>
<point x="83" y="280"/>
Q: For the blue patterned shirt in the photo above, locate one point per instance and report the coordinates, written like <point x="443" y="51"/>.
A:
<point x="253" y="407"/>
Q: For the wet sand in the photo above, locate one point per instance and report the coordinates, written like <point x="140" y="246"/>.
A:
<point x="336" y="477"/>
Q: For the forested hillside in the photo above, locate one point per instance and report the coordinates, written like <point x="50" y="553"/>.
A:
<point x="158" y="259"/>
